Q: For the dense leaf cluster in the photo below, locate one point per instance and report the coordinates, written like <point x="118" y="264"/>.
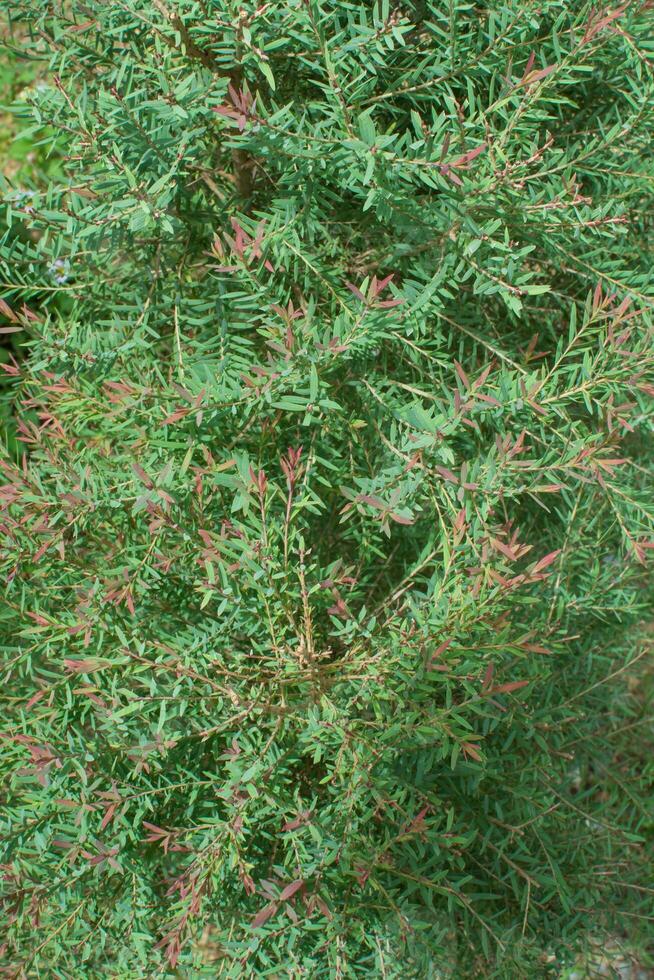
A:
<point x="334" y="491"/>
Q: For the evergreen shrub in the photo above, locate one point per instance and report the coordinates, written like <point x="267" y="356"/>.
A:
<point x="325" y="540"/>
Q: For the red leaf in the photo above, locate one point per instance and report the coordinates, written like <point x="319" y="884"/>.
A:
<point x="156" y="832"/>
<point x="109" y="815"/>
<point x="447" y="474"/>
<point x="534" y="648"/>
<point x="41" y="620"/>
<point x="248" y="883"/>
<point x="357" y="292"/>
<point x="507" y="688"/>
<point x="437" y="652"/>
<point x="547" y="560"/>
<point x="373" y="501"/>
<point x="469" y="156"/>
<point x="401" y="520"/>
<point x="382" y="284"/>
<point x="142" y="475"/>
<point x="623" y="307"/>
<point x="595" y="26"/>
<point x="84" y="666"/>
<point x="386" y="304"/>
<point x="263" y="915"/>
<point x="489" y="399"/>
<point x="322" y="906"/>
<point x="339" y="609"/>
<point x="298" y="821"/>
<point x="418" y="822"/>
<point x="607" y="464"/>
<point x="483" y="376"/>
<point x="470" y="749"/>
<point x="7" y="311"/>
<point x="445" y="170"/>
<point x="180" y="413"/>
<point x="499" y="546"/>
<point x="42" y="550"/>
<point x="537" y="76"/>
<point x="537" y="408"/>
<point x="173" y="950"/>
<point x="530" y="64"/>
<point x="35" y="697"/>
<point x="442" y="648"/>
<point x="462" y="375"/>
<point x="291" y="889"/>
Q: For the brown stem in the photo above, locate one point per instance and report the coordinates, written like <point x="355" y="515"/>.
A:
<point x="242" y="161"/>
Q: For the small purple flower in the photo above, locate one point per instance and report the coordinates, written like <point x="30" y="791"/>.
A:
<point x="60" y="271"/>
<point x="23" y="199"/>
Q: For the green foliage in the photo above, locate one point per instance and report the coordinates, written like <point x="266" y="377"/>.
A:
<point x="327" y="533"/>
